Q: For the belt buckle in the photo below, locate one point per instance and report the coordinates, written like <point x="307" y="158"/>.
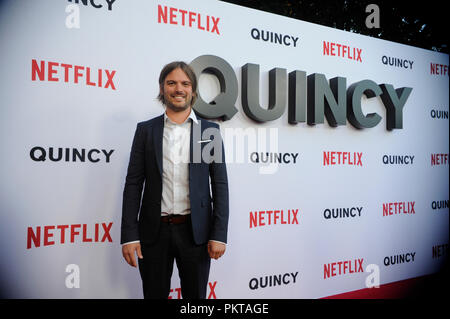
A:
<point x="170" y="219"/>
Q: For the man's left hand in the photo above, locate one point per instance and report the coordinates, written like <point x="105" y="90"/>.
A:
<point x="216" y="249"/>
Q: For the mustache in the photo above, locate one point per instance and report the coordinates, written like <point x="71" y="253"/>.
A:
<point x="177" y="109"/>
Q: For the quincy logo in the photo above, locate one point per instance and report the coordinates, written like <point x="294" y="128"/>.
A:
<point x="312" y="93"/>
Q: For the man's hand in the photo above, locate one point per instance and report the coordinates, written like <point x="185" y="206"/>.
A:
<point x="216" y="249"/>
<point x="128" y="252"/>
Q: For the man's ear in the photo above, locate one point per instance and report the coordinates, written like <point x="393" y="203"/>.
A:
<point x="161" y="93"/>
<point x="194" y="98"/>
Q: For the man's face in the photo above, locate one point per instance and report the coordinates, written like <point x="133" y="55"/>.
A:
<point x="177" y="90"/>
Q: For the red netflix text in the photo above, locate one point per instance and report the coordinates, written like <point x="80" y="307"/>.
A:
<point x="438" y="69"/>
<point x="398" y="208"/>
<point x="342" y="158"/>
<point x="439" y="159"/>
<point x="177" y="291"/>
<point x="188" y="18"/>
<point x="342" y="50"/>
<point x="342" y="268"/>
<point x="61" y="234"/>
<point x="68" y="73"/>
<point x="273" y="217"/>
<point x="440" y="250"/>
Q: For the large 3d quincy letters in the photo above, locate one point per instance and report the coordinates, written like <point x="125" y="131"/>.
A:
<point x="330" y="99"/>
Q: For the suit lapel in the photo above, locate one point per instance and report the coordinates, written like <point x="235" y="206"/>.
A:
<point x="193" y="143"/>
<point x="158" y="140"/>
<point x="195" y="147"/>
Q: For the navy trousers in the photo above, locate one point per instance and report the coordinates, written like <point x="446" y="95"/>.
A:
<point x="175" y="242"/>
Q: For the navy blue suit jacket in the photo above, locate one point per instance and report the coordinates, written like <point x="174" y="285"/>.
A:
<point x="141" y="211"/>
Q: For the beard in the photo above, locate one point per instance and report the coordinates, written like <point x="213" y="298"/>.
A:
<point x="177" y="108"/>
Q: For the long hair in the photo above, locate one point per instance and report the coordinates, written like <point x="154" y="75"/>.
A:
<point x="186" y="69"/>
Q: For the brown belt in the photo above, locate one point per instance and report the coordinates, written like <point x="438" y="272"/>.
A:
<point x="175" y="219"/>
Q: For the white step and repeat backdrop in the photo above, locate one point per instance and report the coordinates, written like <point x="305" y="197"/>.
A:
<point x="325" y="201"/>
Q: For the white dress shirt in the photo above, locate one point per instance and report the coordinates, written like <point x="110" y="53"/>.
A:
<point x="175" y="175"/>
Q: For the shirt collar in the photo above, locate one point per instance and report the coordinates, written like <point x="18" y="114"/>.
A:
<point x="191" y="116"/>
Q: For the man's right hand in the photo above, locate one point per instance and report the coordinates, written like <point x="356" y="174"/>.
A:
<point x="129" y="251"/>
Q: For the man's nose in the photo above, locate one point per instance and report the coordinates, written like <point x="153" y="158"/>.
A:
<point x="179" y="88"/>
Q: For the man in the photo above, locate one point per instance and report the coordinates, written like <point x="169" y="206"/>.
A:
<point x="175" y="217"/>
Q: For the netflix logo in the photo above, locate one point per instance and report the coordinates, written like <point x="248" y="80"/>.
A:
<point x="342" y="158"/>
<point x="440" y="250"/>
<point x="273" y="217"/>
<point x="397" y="208"/>
<point x="438" y="69"/>
<point x="68" y="73"/>
<point x="342" y="50"/>
<point x="175" y="293"/>
<point x="185" y="18"/>
<point x="343" y="267"/>
<point x="439" y="159"/>
<point x="60" y="234"/>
